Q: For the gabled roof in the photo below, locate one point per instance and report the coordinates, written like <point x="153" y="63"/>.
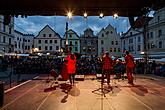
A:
<point x="71" y="31"/>
<point x="131" y="29"/>
<point x="18" y="32"/>
<point x="47" y="26"/>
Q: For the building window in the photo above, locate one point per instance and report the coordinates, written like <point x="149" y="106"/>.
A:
<point x="76" y="49"/>
<point x="118" y="49"/>
<point x="39" y="47"/>
<point x="160" y="44"/>
<point x="50" y="41"/>
<point x="148" y="46"/>
<point x="112" y="42"/>
<point x="139" y="39"/>
<point x="124" y="42"/>
<point x="55" y="41"/>
<point x="71" y="43"/>
<point x="50" y="47"/>
<point x="111" y="32"/>
<point x="151" y="35"/>
<point x="46" y="41"/>
<point x="130" y="33"/>
<point x="4" y="28"/>
<point x="76" y="42"/>
<point x="139" y="48"/>
<point x="114" y="49"/>
<point x="57" y="47"/>
<point x="116" y="42"/>
<point x="9" y="30"/>
<point x="28" y="47"/>
<point x="102" y="42"/>
<point x="70" y="35"/>
<point x="28" y="40"/>
<point x="4" y="39"/>
<point x="110" y="49"/>
<point x="9" y="41"/>
<point x="39" y="41"/>
<point x="102" y="35"/>
<point x="107" y="33"/>
<point x="102" y="49"/>
<point x="130" y="40"/>
<point x="64" y="42"/>
<point x="44" y="35"/>
<point x="46" y="47"/>
<point x="50" y="35"/>
<point x="25" y="47"/>
<point x="159" y="33"/>
<point x="158" y="18"/>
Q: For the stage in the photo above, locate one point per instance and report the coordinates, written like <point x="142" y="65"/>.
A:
<point x="148" y="93"/>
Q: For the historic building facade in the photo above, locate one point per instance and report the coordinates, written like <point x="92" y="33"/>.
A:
<point x="73" y="41"/>
<point x="23" y="43"/>
<point x="47" y="41"/>
<point x="109" y="40"/>
<point x="133" y="41"/>
<point x="6" y="34"/>
<point x="89" y="43"/>
<point x="18" y="42"/>
<point x="156" y="35"/>
<point x="28" y="43"/>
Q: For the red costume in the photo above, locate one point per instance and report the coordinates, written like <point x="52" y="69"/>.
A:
<point x="71" y="67"/>
<point x="130" y="65"/>
<point x="107" y="68"/>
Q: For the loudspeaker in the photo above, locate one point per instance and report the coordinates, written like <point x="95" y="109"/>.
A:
<point x="7" y="19"/>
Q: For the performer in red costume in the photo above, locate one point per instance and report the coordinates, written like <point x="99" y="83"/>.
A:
<point x="107" y="67"/>
<point x="130" y="65"/>
<point x="71" y="67"/>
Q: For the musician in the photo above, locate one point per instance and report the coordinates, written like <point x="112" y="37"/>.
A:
<point x="130" y="65"/>
<point x="71" y="67"/>
<point x="107" y="67"/>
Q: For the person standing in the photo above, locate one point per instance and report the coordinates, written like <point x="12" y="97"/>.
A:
<point x="130" y="65"/>
<point x="71" y="67"/>
<point x="107" y="67"/>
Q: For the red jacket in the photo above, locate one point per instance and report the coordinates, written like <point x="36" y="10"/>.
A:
<point x="107" y="62"/>
<point x="71" y="65"/>
<point x="129" y="61"/>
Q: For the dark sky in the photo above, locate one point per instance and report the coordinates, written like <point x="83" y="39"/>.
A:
<point x="33" y="24"/>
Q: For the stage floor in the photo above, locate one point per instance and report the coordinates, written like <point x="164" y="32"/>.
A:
<point x="148" y="93"/>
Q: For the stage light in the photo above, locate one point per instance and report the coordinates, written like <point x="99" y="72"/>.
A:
<point x="69" y="15"/>
<point x="101" y="15"/>
<point x="85" y="15"/>
<point x="115" y="15"/>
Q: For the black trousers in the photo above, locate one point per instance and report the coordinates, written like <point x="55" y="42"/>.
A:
<point x="71" y="78"/>
<point x="106" y="72"/>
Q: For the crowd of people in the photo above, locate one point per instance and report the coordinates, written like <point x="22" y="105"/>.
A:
<point x="84" y="66"/>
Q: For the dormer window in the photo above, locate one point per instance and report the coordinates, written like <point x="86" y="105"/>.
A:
<point x="44" y="35"/>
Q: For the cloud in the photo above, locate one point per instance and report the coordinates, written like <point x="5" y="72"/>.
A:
<point x="33" y="24"/>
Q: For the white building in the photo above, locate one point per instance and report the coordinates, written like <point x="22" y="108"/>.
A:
<point x="6" y="34"/>
<point x="47" y="41"/>
<point x="133" y="41"/>
<point x="18" y="42"/>
<point x="156" y="35"/>
<point x="23" y="43"/>
<point x="109" y="40"/>
<point x="28" y="43"/>
<point x="73" y="41"/>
